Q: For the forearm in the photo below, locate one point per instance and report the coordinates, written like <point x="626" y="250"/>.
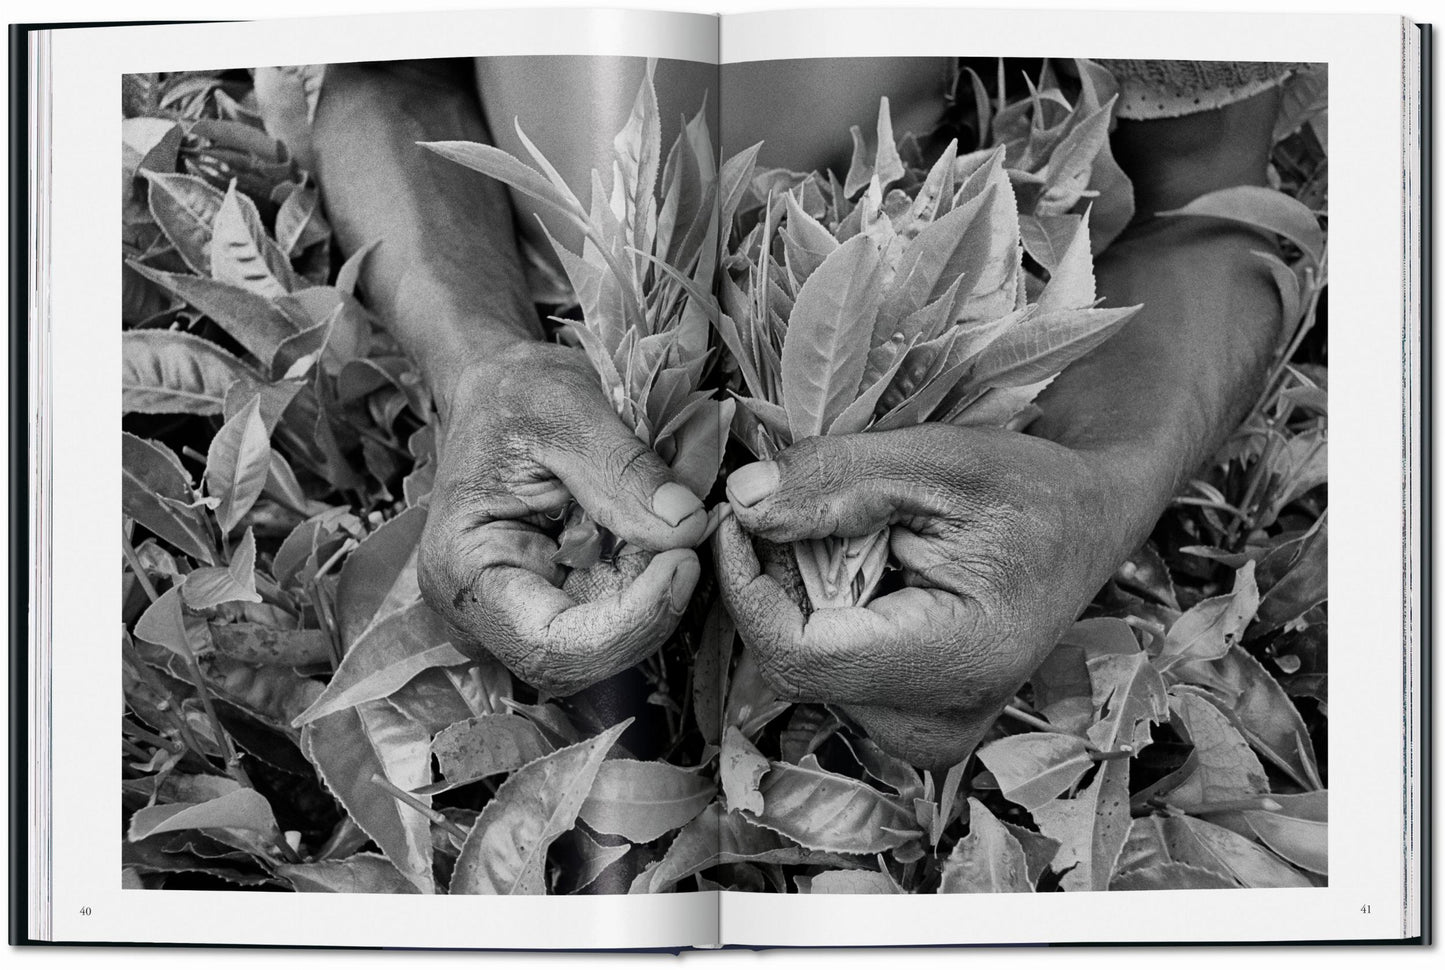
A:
<point x="446" y="277"/>
<point x="1154" y="402"/>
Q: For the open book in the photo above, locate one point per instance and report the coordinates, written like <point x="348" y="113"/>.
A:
<point x="678" y="473"/>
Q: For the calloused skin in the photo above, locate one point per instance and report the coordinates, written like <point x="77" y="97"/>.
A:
<point x="1003" y="536"/>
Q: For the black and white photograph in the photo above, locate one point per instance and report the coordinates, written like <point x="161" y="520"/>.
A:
<point x="608" y="475"/>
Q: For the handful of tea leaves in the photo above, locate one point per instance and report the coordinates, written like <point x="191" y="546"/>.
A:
<point x="905" y="306"/>
<point x="641" y="330"/>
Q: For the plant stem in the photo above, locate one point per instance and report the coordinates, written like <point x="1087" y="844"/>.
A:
<point x="407" y="798"/>
<point x="1024" y="717"/>
<point x="132" y="559"/>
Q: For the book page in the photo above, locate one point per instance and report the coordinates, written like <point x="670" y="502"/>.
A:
<point x="372" y="652"/>
<point x="935" y="169"/>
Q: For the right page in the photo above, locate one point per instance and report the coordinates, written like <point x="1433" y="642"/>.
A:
<point x="1028" y="546"/>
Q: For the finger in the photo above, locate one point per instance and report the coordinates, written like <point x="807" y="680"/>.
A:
<point x="848" y="485"/>
<point x="908" y="647"/>
<point x="552" y="642"/>
<point x="621" y="482"/>
<point x="935" y="741"/>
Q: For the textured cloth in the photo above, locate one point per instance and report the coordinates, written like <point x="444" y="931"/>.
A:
<point x="1169" y="89"/>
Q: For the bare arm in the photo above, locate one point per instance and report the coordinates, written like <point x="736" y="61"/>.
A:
<point x="446" y="277"/>
<point x="527" y="429"/>
<point x="1154" y="402"/>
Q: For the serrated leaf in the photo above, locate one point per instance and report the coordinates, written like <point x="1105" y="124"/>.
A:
<point x="1298" y="832"/>
<point x="1091" y="828"/>
<point x="644" y="800"/>
<point x="492" y="744"/>
<point x="1261" y="208"/>
<point x="238" y="463"/>
<point x="373" y="570"/>
<point x="856" y="882"/>
<point x="1031" y="769"/>
<point x="354" y="744"/>
<point x="593" y="858"/>
<point x="508" y="169"/>
<point x="1042" y="344"/>
<point x="1201" y="843"/>
<point x="213" y="585"/>
<point x="741" y="768"/>
<point x="169" y="372"/>
<point x="1256" y="704"/>
<point x="254" y="321"/>
<point x="163" y="624"/>
<point x="184" y="206"/>
<point x="385" y="658"/>
<point x="1128" y="696"/>
<point x="361" y="873"/>
<point x="987" y="860"/>
<point x="1170" y="875"/>
<point x="829" y="812"/>
<point x="1208" y="629"/>
<point x="259" y="643"/>
<point x="506" y="850"/>
<point x="827" y="340"/>
<point x="1227" y="769"/>
<point x="149" y="472"/>
<point x="242" y="254"/>
<point x="243" y="808"/>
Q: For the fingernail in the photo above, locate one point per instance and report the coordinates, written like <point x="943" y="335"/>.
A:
<point x="683" y="582"/>
<point x="750" y="484"/>
<point x="673" y="502"/>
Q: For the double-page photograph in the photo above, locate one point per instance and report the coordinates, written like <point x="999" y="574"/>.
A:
<point x="554" y="472"/>
<point x="929" y="496"/>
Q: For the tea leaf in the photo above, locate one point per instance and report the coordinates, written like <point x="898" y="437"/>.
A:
<point x="825" y="811"/>
<point x="373" y="570"/>
<point x="1033" y="768"/>
<point x="212" y="585"/>
<point x="827" y="342"/>
<point x="351" y="746"/>
<point x="853" y="882"/>
<point x="184" y="206"/>
<point x="168" y="372"/>
<point x="1171" y="875"/>
<point x="1261" y="208"/>
<point x="150" y="472"/>
<point x="506" y="849"/>
<point x="237" y="464"/>
<point x="243" y="808"/>
<point x="987" y="860"/>
<point x="741" y="769"/>
<point x="383" y="660"/>
<point x="241" y="252"/>
<point x="1228" y="770"/>
<point x="492" y="744"/>
<point x="1090" y="828"/>
<point x="1210" y="628"/>
<point x="361" y="873"/>
<point x="1197" y="842"/>
<point x="644" y="800"/>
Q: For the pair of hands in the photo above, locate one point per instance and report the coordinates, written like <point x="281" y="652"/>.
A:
<point x="1002" y="539"/>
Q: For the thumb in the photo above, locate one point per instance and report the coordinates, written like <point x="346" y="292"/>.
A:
<point x="624" y="485"/>
<point x="846" y="485"/>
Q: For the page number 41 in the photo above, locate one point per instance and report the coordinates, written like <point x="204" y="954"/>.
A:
<point x="1365" y="909"/>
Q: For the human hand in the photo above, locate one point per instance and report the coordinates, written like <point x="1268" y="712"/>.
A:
<point x="1002" y="539"/>
<point x="526" y="432"/>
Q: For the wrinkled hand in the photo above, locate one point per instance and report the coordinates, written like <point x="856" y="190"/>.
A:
<point x="526" y="432"/>
<point x="1002" y="539"/>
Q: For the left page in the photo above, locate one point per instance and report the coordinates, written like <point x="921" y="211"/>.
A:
<point x="414" y="446"/>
